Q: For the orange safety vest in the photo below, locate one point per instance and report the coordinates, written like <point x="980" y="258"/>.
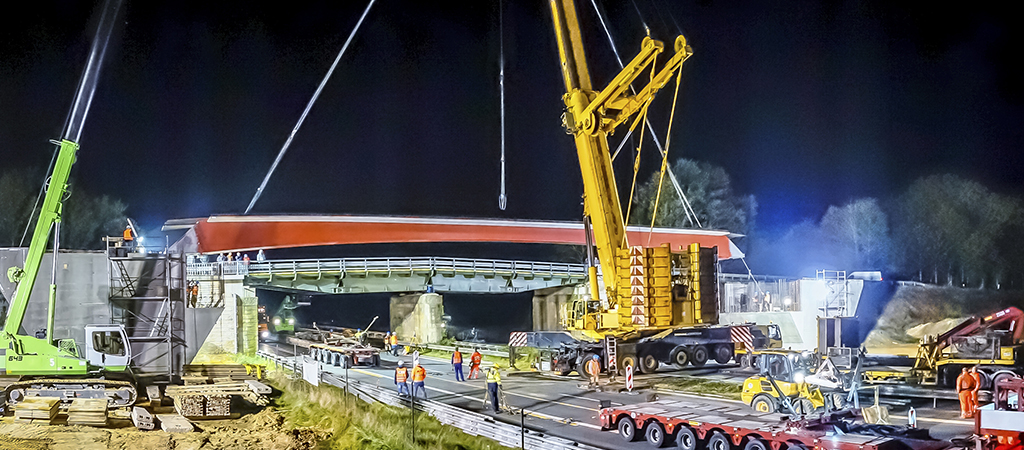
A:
<point x="127" y="234"/>
<point x="419" y="374"/>
<point x="394" y="339"/>
<point x="457" y="358"/>
<point x="476" y="358"/>
<point x="593" y="367"/>
<point x="965" y="382"/>
<point x="401" y="374"/>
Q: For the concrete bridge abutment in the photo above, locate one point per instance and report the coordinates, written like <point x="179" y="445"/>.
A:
<point x="418" y="317"/>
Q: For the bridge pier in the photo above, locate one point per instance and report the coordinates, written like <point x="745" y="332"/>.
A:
<point x="418" y="317"/>
<point x="549" y="305"/>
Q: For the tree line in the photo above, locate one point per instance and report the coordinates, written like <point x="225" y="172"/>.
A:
<point x="85" y="219"/>
<point x="942" y="229"/>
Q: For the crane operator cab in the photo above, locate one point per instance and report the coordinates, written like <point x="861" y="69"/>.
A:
<point x="107" y="347"/>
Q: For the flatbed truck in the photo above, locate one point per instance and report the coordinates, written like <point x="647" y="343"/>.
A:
<point x="709" y="425"/>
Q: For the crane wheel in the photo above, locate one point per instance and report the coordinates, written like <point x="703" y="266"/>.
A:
<point x="648" y="364"/>
<point x="723" y="353"/>
<point x="628" y="360"/>
<point x="699" y="356"/>
<point x="680" y="357"/>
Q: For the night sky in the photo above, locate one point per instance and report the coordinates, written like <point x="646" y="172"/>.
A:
<point x="805" y="104"/>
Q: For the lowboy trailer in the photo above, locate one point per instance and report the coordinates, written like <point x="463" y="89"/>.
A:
<point x="703" y="424"/>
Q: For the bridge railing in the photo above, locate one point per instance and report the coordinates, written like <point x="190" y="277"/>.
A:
<point x="425" y="265"/>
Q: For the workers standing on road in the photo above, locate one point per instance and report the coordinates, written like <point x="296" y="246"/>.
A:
<point x="965" y="390"/>
<point x="419" y="376"/>
<point x="457" y="365"/>
<point x="402" y="378"/>
<point x="977" y="388"/>
<point x="493" y="384"/>
<point x="474" y="364"/>
<point x="394" y="344"/>
<point x="593" y="369"/>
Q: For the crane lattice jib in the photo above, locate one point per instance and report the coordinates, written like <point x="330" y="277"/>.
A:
<point x="592" y="115"/>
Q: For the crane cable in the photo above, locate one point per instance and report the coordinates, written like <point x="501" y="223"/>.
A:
<point x="687" y="208"/>
<point x="502" y="199"/>
<point x="309" y="105"/>
<point x="636" y="162"/>
<point x="664" y="159"/>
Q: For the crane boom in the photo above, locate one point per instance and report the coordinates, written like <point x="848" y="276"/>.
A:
<point x="590" y="116"/>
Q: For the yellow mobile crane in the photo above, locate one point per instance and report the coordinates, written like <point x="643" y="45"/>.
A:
<point x="658" y="303"/>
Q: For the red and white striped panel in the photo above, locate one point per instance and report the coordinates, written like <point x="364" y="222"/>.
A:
<point x="742" y="335"/>
<point x="517" y="339"/>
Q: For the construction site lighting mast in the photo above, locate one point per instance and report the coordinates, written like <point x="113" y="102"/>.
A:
<point x="590" y="116"/>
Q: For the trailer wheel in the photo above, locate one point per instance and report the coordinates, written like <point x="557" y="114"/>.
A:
<point x="648" y="364"/>
<point x="627" y="429"/>
<point x="723" y="353"/>
<point x="680" y="357"/>
<point x="656" y="434"/>
<point x="686" y="439"/>
<point x="1000" y="377"/>
<point x="763" y="403"/>
<point x="699" y="356"/>
<point x="718" y="441"/>
<point x="796" y="446"/>
<point x="755" y="444"/>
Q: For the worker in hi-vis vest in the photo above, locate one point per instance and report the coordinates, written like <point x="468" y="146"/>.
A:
<point x="402" y="378"/>
<point x="457" y="365"/>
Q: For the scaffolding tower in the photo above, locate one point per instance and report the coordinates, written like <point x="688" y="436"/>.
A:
<point x="147" y="296"/>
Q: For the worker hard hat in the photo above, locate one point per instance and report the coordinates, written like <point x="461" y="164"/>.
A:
<point x="595" y="357"/>
<point x="401" y="363"/>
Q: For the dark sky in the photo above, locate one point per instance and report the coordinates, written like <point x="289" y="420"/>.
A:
<point x="805" y="104"/>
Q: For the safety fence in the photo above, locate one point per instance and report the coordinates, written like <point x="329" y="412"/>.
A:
<point x="416" y="265"/>
<point x="509" y="435"/>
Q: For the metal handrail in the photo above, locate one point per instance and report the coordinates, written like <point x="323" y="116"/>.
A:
<point x="367" y="265"/>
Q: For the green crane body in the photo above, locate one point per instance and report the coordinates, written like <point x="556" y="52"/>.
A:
<point x="29" y="355"/>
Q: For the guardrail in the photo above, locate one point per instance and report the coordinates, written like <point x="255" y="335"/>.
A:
<point x="485" y="349"/>
<point x="472" y="423"/>
<point x="415" y="265"/>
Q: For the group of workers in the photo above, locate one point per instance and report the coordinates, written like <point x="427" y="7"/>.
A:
<point x="418" y="375"/>
<point x="967" y="386"/>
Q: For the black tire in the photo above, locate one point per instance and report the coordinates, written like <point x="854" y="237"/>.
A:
<point x="723" y="353"/>
<point x="763" y="403"/>
<point x="718" y="441"/>
<point x="680" y="357"/>
<point x="745" y="361"/>
<point x="699" y="356"/>
<point x="648" y="364"/>
<point x="999" y="377"/>
<point x="755" y="444"/>
<point x="796" y="446"/>
<point x="627" y="429"/>
<point x="686" y="439"/>
<point x="656" y="434"/>
<point x="628" y="360"/>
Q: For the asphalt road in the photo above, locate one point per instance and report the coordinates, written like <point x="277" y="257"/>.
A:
<point x="565" y="407"/>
